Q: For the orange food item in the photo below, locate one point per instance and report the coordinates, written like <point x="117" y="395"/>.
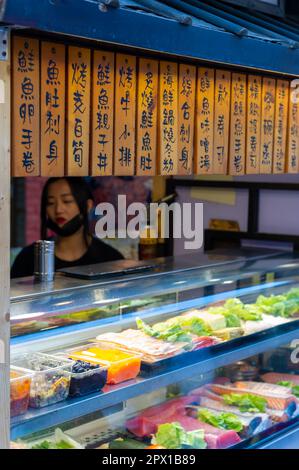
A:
<point x="19" y="393"/>
<point x="155" y="446"/>
<point x="121" y="365"/>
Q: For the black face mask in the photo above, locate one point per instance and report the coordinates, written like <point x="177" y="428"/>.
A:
<point x="67" y="229"/>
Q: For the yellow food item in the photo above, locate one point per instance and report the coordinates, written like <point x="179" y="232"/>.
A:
<point x="121" y="365"/>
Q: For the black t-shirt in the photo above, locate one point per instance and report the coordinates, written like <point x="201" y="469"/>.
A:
<point x="98" y="252"/>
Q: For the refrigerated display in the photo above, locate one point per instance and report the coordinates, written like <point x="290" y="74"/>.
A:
<point x="205" y="357"/>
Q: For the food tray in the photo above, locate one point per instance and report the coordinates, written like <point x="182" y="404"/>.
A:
<point x="84" y="383"/>
<point x="58" y="439"/>
<point x="189" y="357"/>
<point x="126" y="367"/>
<point x="51" y="378"/>
<point x="20" y="381"/>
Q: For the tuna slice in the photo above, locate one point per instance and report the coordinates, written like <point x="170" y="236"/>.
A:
<point x="148" y="421"/>
<point x="274" y="377"/>
<point x="214" y="437"/>
<point x="278" y="400"/>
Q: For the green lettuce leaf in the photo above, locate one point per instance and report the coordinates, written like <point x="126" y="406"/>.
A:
<point x="295" y="388"/>
<point x="174" y="436"/>
<point x="246" y="402"/>
<point x="232" y="320"/>
<point x="163" y="331"/>
<point x="220" y="420"/>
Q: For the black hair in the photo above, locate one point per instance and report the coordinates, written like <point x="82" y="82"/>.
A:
<point x="81" y="193"/>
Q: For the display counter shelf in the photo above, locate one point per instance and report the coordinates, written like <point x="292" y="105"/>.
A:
<point x="182" y="370"/>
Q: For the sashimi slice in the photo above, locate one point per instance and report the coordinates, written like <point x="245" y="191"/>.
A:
<point x="142" y="427"/>
<point x="278" y="416"/>
<point x="147" y="421"/>
<point x="274" y="377"/>
<point x="204" y="342"/>
<point x="167" y="408"/>
<point x="215" y="438"/>
<point x="273" y="399"/>
<point x="261" y="387"/>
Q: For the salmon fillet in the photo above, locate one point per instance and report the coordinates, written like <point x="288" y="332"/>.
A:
<point x="274" y="377"/>
<point x="275" y="399"/>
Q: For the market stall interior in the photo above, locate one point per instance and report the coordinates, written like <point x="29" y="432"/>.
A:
<point x="164" y="349"/>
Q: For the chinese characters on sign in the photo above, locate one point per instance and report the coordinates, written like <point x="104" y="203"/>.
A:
<point x="125" y="113"/>
<point x="102" y="114"/>
<point x="292" y="164"/>
<point x="79" y="78"/>
<point x="221" y="121"/>
<point x="238" y="125"/>
<point x="280" y="131"/>
<point x="201" y="121"/>
<point x="267" y="125"/>
<point x="168" y="119"/>
<point x="204" y="141"/>
<point x="26" y="99"/>
<point x="52" y="109"/>
<point x="147" y="107"/>
<point x="187" y="87"/>
<point x="253" y="138"/>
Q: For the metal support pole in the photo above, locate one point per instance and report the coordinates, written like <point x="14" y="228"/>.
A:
<point x="4" y="236"/>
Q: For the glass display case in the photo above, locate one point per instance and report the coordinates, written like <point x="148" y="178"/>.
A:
<point x="192" y="354"/>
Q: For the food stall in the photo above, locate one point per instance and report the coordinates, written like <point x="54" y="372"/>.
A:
<point x="72" y="378"/>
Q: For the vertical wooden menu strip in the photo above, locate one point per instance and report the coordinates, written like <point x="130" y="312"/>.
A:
<point x="221" y="121"/>
<point x="292" y="156"/>
<point x="186" y="90"/>
<point x="280" y="127"/>
<point x="125" y="113"/>
<point x="267" y="124"/>
<point x="147" y="111"/>
<point x="168" y="119"/>
<point x="52" y="109"/>
<point x="25" y="107"/>
<point x="102" y="114"/>
<point x="237" y="144"/>
<point x="204" y="139"/>
<point x="78" y="111"/>
<point x="253" y="135"/>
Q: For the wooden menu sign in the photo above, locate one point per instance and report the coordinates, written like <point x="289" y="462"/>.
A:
<point x="238" y="125"/>
<point x="52" y="109"/>
<point x="221" y="121"/>
<point x="25" y="144"/>
<point x="253" y="137"/>
<point x="79" y="78"/>
<point x="125" y="113"/>
<point x="292" y="156"/>
<point x="204" y="137"/>
<point x="147" y="111"/>
<point x="186" y="111"/>
<point x="280" y="129"/>
<point x="168" y="118"/>
<point x="267" y="124"/>
<point x="80" y="111"/>
<point x="102" y="114"/>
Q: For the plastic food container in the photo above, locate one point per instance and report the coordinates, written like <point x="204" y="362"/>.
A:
<point x="51" y="378"/>
<point x="90" y="381"/>
<point x="122" y="365"/>
<point x="20" y="381"/>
